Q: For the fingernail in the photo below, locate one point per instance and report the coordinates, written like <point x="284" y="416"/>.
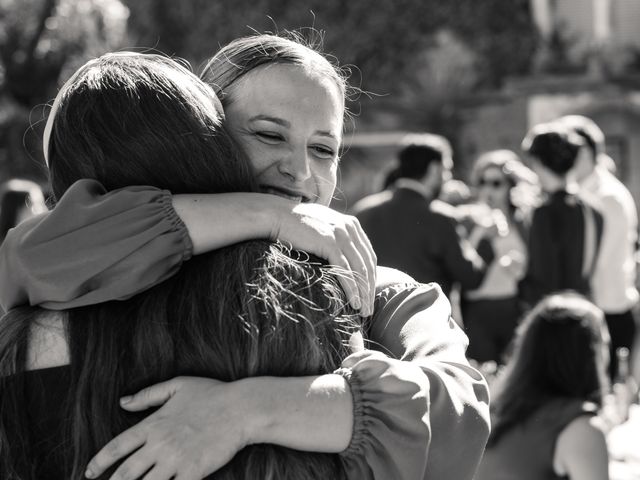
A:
<point x="125" y="400"/>
<point x="88" y="473"/>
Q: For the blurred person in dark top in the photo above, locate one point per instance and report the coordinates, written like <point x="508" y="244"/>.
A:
<point x="491" y="311"/>
<point x="565" y="232"/>
<point x="19" y="199"/>
<point x="413" y="231"/>
<point x="614" y="277"/>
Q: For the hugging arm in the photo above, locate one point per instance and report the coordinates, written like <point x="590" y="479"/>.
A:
<point x="423" y="400"/>
<point x="97" y="246"/>
<point x="93" y="247"/>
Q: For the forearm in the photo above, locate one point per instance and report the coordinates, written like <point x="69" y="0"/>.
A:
<point x="304" y="413"/>
<point x="219" y="220"/>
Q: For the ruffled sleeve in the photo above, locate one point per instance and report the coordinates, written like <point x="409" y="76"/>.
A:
<point x="420" y="410"/>
<point x="94" y="246"/>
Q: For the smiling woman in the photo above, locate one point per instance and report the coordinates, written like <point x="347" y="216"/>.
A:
<point x="284" y="106"/>
<point x="288" y="119"/>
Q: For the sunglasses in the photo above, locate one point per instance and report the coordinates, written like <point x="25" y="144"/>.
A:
<point x="491" y="183"/>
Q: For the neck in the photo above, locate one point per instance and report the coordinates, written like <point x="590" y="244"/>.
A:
<point x="414" y="185"/>
<point x="553" y="183"/>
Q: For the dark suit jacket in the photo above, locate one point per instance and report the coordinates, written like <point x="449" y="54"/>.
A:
<point x="407" y="234"/>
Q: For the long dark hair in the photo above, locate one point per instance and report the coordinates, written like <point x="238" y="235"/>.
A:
<point x="558" y="353"/>
<point x="251" y="309"/>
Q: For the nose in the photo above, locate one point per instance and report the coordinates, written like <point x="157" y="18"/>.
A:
<point x="296" y="165"/>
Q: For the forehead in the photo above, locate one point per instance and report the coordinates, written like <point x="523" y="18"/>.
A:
<point x="286" y="90"/>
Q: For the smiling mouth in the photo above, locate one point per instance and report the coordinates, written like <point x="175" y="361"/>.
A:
<point x="288" y="194"/>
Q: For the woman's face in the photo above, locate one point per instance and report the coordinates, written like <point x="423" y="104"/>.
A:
<point x="289" y="122"/>
<point x="493" y="188"/>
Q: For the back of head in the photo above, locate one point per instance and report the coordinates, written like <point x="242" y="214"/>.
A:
<point x="252" y="309"/>
<point x="140" y="119"/>
<point x="558" y="353"/>
<point x="419" y="152"/>
<point x="554" y="146"/>
<point x="244" y="55"/>
<point x="588" y="130"/>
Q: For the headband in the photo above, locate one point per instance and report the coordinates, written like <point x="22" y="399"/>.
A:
<point x="46" y="136"/>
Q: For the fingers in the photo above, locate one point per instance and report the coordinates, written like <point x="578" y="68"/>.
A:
<point x="355" y="358"/>
<point x="368" y="273"/>
<point x="347" y="279"/>
<point x="356" y="342"/>
<point x="156" y="473"/>
<point x="358" y="260"/>
<point x="119" y="447"/>
<point x="165" y="472"/>
<point x="153" y="396"/>
<point x="136" y="465"/>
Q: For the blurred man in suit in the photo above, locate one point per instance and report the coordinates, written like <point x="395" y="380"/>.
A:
<point x="413" y="231"/>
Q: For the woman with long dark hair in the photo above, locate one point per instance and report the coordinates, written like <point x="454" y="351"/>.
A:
<point x="545" y="403"/>
<point x="249" y="310"/>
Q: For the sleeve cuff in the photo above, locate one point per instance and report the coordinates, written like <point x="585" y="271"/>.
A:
<point x="177" y="225"/>
<point x="358" y="437"/>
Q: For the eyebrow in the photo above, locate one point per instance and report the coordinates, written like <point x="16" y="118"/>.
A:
<point x="285" y="123"/>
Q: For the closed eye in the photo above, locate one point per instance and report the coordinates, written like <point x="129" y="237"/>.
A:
<point x="269" y="137"/>
<point x="323" y="152"/>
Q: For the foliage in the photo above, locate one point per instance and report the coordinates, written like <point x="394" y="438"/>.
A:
<point x="394" y="46"/>
<point x="381" y="38"/>
<point x="40" y="41"/>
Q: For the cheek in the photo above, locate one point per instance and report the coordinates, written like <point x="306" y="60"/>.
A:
<point x="325" y="177"/>
<point x="260" y="156"/>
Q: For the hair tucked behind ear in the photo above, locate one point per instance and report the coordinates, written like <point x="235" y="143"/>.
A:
<point x="245" y="310"/>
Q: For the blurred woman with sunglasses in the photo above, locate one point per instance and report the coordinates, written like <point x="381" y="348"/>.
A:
<point x="491" y="312"/>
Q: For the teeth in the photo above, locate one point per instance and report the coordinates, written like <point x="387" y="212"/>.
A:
<point x="280" y="193"/>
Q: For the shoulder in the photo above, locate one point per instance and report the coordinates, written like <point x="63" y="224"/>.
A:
<point x="395" y="289"/>
<point x="48" y="345"/>
<point x="616" y="199"/>
<point x="386" y="277"/>
<point x="371" y="201"/>
<point x="582" y="438"/>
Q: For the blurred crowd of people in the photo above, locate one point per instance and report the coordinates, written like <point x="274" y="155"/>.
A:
<point x="540" y="248"/>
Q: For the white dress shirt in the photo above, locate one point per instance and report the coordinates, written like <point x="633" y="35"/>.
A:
<point x="614" y="278"/>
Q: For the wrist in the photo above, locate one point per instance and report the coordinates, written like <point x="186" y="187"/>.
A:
<point x="252" y="418"/>
<point x="271" y="212"/>
<point x="305" y="413"/>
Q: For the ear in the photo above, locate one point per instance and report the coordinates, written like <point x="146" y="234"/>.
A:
<point x="585" y="157"/>
<point x="434" y="170"/>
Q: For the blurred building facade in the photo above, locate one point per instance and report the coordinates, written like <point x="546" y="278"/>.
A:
<point x="602" y="37"/>
<point x="587" y="49"/>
